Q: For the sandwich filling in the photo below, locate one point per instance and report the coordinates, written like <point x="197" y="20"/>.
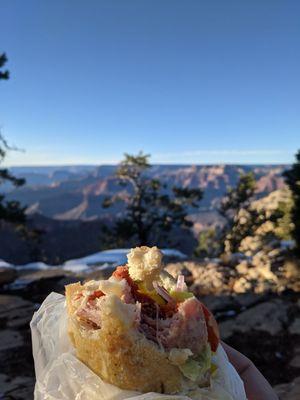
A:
<point x="170" y="317"/>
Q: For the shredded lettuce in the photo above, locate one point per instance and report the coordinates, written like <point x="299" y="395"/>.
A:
<point x="179" y="356"/>
<point x="180" y="296"/>
<point x="195" y="367"/>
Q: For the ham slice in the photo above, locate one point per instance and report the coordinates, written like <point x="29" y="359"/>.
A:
<point x="89" y="311"/>
<point x="185" y="329"/>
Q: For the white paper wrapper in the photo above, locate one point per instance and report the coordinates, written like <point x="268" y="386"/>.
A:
<point x="61" y="376"/>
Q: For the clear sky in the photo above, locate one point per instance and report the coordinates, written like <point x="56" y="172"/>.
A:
<point x="186" y="81"/>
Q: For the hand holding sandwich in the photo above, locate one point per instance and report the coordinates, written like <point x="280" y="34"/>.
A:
<point x="256" y="386"/>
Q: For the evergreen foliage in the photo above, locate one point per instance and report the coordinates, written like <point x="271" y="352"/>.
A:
<point x="237" y="199"/>
<point x="151" y="210"/>
<point x="10" y="211"/>
<point x="292" y="177"/>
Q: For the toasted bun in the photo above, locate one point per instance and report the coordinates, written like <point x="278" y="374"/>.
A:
<point x="119" y="353"/>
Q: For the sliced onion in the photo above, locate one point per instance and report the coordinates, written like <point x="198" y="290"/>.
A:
<point x="138" y="312"/>
<point x="162" y="292"/>
<point x="180" y="285"/>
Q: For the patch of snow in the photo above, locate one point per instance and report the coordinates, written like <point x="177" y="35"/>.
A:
<point x="116" y="256"/>
<point x="35" y="266"/>
<point x="174" y="253"/>
<point x="76" y="268"/>
<point x="79" y="268"/>
<point x="4" y="264"/>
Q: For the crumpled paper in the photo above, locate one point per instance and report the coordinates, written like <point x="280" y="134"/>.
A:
<point x="61" y="376"/>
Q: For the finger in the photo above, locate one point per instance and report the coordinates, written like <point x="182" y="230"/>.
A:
<point x="240" y="362"/>
<point x="256" y="386"/>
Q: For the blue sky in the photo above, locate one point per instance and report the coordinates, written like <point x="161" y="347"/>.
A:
<point x="186" y="81"/>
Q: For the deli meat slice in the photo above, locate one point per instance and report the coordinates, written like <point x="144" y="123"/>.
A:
<point x="174" y="325"/>
<point x="187" y="328"/>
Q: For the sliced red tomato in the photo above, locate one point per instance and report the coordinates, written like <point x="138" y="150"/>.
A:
<point x="212" y="328"/>
<point x="95" y="295"/>
<point x="78" y="296"/>
<point x="122" y="272"/>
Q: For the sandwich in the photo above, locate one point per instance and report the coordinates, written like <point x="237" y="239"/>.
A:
<point x="143" y="330"/>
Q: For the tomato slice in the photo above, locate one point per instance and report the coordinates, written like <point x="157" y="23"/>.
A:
<point x="212" y="328"/>
<point x="78" y="296"/>
<point x="95" y="295"/>
<point x="122" y="272"/>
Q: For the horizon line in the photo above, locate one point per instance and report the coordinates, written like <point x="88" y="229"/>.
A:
<point x="152" y="164"/>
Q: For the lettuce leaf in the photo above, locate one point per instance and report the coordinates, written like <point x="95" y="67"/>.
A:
<point x="180" y="296"/>
<point x="195" y="367"/>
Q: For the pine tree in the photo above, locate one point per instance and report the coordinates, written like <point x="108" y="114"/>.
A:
<point x="10" y="211"/>
<point x="150" y="210"/>
<point x="236" y="200"/>
<point x="246" y="217"/>
<point x="3" y="60"/>
<point x="208" y="243"/>
<point x="292" y="177"/>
